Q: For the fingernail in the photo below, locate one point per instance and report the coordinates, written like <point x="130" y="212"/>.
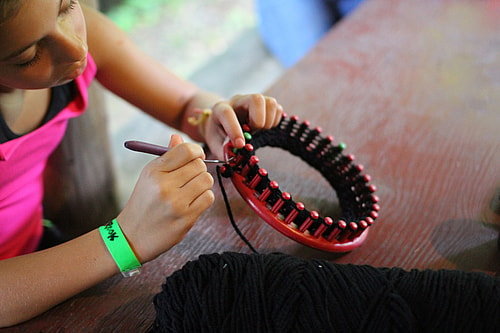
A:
<point x="239" y="143"/>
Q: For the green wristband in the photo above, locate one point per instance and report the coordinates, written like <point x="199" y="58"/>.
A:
<point x="119" y="249"/>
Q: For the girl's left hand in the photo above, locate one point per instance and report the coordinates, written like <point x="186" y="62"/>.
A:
<point x="258" y="111"/>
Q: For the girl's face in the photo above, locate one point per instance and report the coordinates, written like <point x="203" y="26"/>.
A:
<point x="43" y="45"/>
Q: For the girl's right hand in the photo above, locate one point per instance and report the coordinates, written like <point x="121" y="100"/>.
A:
<point x="172" y="192"/>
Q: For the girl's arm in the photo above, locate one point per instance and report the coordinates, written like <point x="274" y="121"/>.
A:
<point x="134" y="76"/>
<point x="128" y="72"/>
<point x="173" y="190"/>
<point x="33" y="283"/>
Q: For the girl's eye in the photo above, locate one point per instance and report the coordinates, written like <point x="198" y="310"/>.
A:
<point x="71" y="6"/>
<point x="32" y="61"/>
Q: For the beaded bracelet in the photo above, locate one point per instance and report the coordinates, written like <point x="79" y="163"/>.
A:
<point x="355" y="195"/>
<point x="119" y="248"/>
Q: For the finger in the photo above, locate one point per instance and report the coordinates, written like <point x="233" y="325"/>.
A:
<point x="278" y="115"/>
<point x="185" y="202"/>
<point x="224" y="115"/>
<point x="178" y="156"/>
<point x="180" y="177"/>
<point x="255" y="106"/>
<point x="203" y="201"/>
<point x="197" y="187"/>
<point x="272" y="110"/>
<point x="175" y="139"/>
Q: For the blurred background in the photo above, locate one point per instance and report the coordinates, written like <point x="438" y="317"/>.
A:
<point x="183" y="34"/>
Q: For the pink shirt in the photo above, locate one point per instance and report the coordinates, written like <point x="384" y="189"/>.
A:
<point x="22" y="162"/>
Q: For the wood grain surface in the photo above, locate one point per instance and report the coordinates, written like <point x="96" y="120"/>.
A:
<point x="413" y="89"/>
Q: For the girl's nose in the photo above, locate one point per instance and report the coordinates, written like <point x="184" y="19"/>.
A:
<point x="70" y="46"/>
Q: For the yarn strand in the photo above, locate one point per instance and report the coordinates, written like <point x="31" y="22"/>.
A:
<point x="230" y="213"/>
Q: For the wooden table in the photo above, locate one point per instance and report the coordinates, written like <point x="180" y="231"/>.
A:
<point x="413" y="89"/>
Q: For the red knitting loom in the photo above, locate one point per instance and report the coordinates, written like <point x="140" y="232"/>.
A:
<point x="358" y="203"/>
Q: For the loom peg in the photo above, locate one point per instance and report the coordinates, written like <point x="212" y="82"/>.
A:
<point x="327" y="222"/>
<point x="291" y="123"/>
<point x="322" y="144"/>
<point x="285" y="196"/>
<point x="313" y="216"/>
<point x="301" y="129"/>
<point x="273" y="186"/>
<point x="340" y="226"/>
<point x="252" y="161"/>
<point x="352" y="228"/>
<point x="309" y="136"/>
<point x="362" y="225"/>
<point x="299" y="206"/>
<point x="257" y="178"/>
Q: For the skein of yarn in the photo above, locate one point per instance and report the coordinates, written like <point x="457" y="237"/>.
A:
<point x="234" y="292"/>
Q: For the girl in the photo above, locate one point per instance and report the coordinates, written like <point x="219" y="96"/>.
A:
<point x="50" y="50"/>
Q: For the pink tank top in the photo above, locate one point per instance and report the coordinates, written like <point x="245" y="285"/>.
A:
<point x="22" y="162"/>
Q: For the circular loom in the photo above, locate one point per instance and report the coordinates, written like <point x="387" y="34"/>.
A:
<point x="355" y="194"/>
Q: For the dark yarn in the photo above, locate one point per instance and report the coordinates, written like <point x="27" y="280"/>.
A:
<point x="253" y="293"/>
<point x="230" y="212"/>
